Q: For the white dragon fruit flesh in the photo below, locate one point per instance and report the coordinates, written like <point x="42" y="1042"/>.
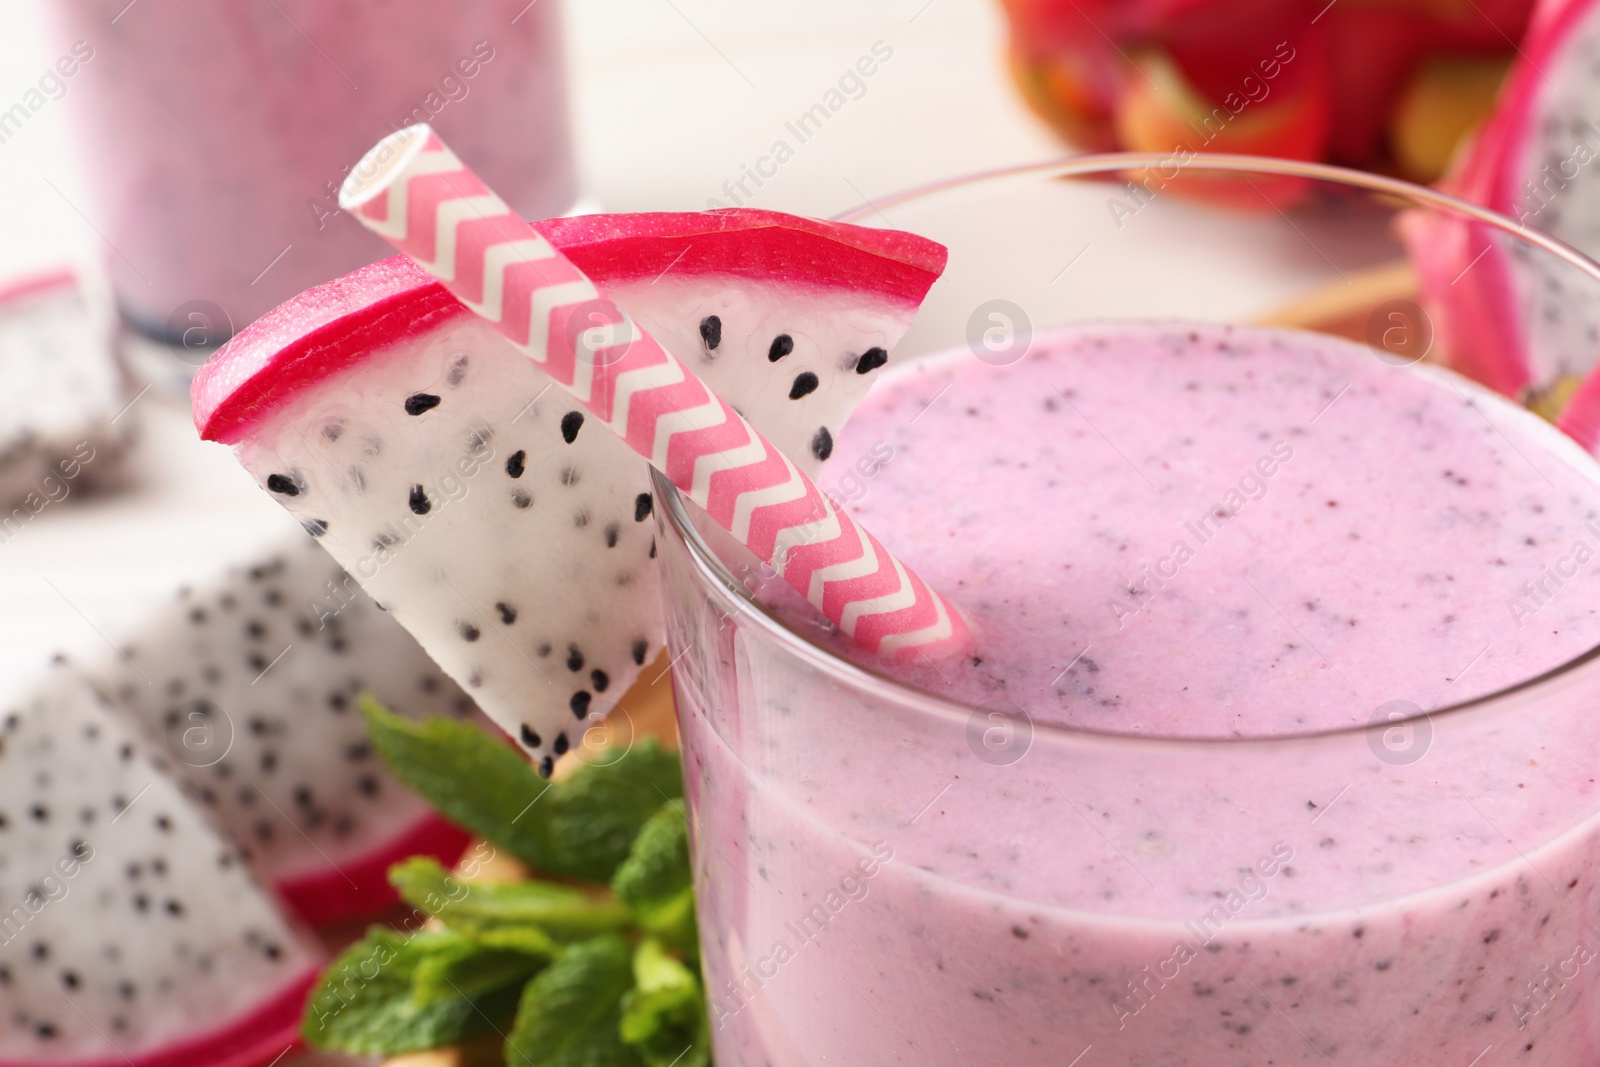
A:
<point x="131" y="934"/>
<point x="470" y="495"/>
<point x="64" y="428"/>
<point x="248" y="684"/>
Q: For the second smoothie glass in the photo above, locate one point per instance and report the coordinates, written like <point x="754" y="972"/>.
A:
<point x="1418" y="891"/>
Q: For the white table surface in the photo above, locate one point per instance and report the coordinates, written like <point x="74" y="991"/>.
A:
<point x="671" y="99"/>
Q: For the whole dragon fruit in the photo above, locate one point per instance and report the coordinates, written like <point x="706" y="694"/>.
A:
<point x="469" y="494"/>
<point x="249" y="683"/>
<point x="131" y="934"/>
<point x="1378" y="84"/>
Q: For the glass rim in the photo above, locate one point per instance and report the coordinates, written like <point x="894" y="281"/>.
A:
<point x="709" y="567"/>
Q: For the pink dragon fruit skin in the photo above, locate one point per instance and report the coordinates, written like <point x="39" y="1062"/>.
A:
<point x="1506" y="314"/>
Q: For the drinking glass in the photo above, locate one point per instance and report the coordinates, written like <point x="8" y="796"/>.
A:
<point x="1419" y="890"/>
<point x="216" y="135"/>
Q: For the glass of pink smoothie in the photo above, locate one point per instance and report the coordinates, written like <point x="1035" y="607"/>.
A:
<point x="1279" y="743"/>
<point x="215" y="135"/>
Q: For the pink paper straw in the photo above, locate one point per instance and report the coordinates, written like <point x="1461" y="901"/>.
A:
<point x="411" y="190"/>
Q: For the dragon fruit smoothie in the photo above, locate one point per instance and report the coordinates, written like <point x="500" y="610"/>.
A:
<point x="1210" y="535"/>
<point x="216" y="135"/>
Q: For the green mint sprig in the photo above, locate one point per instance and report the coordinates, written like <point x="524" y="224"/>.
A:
<point x="600" y="970"/>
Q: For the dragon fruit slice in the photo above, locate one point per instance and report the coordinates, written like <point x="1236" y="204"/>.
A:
<point x="462" y="487"/>
<point x="58" y="436"/>
<point x="1506" y="314"/>
<point x="249" y="685"/>
<point x="132" y="935"/>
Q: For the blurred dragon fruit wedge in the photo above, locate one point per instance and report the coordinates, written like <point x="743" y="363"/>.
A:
<point x="1505" y="313"/>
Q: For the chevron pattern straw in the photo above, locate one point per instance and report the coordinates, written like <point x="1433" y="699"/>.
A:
<point x="413" y="191"/>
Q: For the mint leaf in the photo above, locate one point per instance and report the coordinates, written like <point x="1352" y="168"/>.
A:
<point x="472" y="778"/>
<point x="581" y="828"/>
<point x="664" y="1016"/>
<point x="363" y="1004"/>
<point x="570" y="1014"/>
<point x="656" y="880"/>
<point x="562" y="913"/>
<point x="595" y="814"/>
<point x="471" y="970"/>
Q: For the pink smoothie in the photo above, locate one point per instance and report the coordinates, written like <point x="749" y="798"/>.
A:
<point x="216" y="134"/>
<point x="1190" y="532"/>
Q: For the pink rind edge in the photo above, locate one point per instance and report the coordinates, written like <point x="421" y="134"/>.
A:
<point x="35" y="284"/>
<point x="327" y="327"/>
<point x="257" y="1038"/>
<point x="360" y="887"/>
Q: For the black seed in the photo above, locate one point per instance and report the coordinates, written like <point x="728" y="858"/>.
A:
<point x="458" y="371"/>
<point x="515" y="465"/>
<point x="521" y="499"/>
<point x="569" y="475"/>
<point x="420" y="504"/>
<point x="643" y="505"/>
<point x="368" y="785"/>
<point x="571" y="423"/>
<point x="580" y="704"/>
<point x="41" y="813"/>
<point x="560" y="745"/>
<point x="302" y="796"/>
<point x="804" y="383"/>
<point x="641" y="648"/>
<point x="45" y="1030"/>
<point x="469" y="632"/>
<point x="612" y="531"/>
<point x="69" y="979"/>
<point x="417" y="403"/>
<point x="163" y="823"/>
<point x="316" y="527"/>
<point x="652" y="548"/>
<point x="175" y="909"/>
<point x="546" y="766"/>
<point x="508" y="614"/>
<point x="574" y="658"/>
<point x="600" y="679"/>
<point x="280" y="484"/>
<point x="529" y="738"/>
<point x="822" y="444"/>
<point x="782" y="345"/>
<point x="711" y="331"/>
<point x="871" y="360"/>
